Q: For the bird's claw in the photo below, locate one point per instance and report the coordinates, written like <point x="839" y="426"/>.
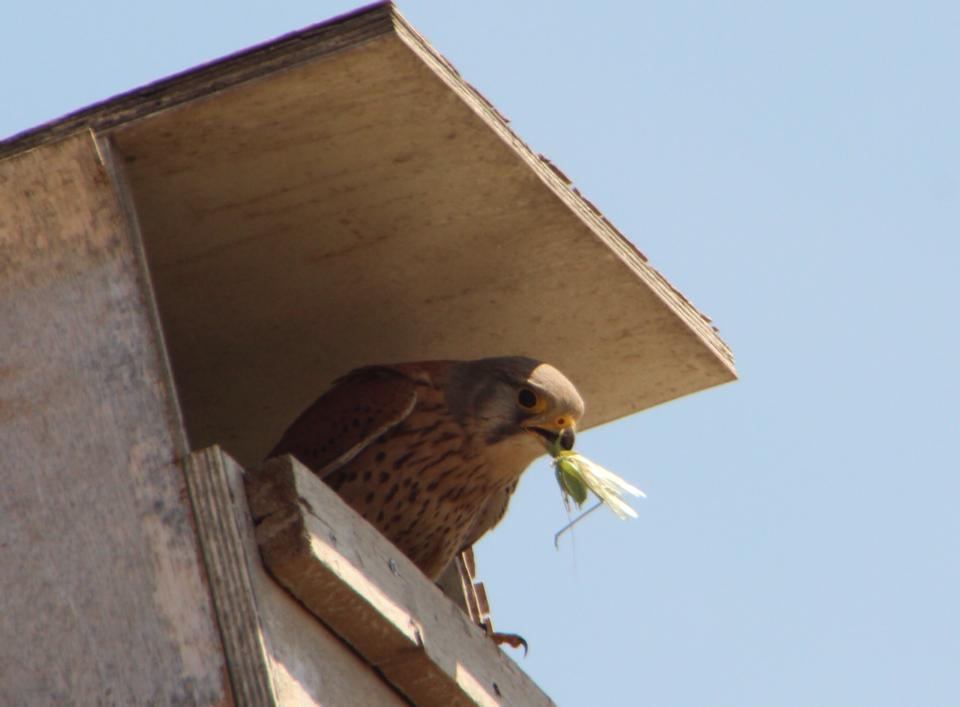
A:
<point x="511" y="639"/>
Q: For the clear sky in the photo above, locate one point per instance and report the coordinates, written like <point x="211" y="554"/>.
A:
<point x="795" y="170"/>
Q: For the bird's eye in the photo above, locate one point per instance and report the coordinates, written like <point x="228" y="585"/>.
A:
<point x="527" y="398"/>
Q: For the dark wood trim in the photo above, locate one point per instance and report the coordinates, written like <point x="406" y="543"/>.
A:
<point x="343" y="32"/>
<point x="215" y="510"/>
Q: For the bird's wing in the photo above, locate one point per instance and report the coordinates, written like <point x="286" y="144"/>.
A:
<point x="360" y="407"/>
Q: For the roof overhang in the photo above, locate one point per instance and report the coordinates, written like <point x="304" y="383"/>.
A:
<point x="341" y="196"/>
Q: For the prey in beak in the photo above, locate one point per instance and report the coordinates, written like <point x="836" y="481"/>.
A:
<point x="548" y="406"/>
<point x="550" y="435"/>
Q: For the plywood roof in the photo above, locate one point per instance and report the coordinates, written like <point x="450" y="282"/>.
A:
<point x="341" y="197"/>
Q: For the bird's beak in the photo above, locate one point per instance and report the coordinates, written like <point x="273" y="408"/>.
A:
<point x="549" y="433"/>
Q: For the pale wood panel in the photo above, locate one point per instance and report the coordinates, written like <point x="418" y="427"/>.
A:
<point x="562" y="187"/>
<point x="369" y="593"/>
<point x="279" y="653"/>
<point x="354" y="209"/>
<point x="102" y="598"/>
<point x="342" y="196"/>
<point x="338" y="197"/>
<point x="333" y="35"/>
<point x="220" y="518"/>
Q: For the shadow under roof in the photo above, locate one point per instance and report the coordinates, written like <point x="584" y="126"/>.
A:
<point x="341" y="196"/>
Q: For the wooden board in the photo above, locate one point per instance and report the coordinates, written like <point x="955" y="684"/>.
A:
<point x="102" y="595"/>
<point x="278" y="653"/>
<point x="342" y="196"/>
<point x="355" y="581"/>
<point x="221" y="520"/>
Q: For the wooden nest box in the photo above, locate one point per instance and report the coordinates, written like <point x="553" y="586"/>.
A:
<point x="189" y="265"/>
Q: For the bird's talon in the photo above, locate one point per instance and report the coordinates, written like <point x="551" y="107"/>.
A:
<point x="511" y="639"/>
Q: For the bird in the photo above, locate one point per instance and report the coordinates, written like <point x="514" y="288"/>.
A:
<point x="430" y="452"/>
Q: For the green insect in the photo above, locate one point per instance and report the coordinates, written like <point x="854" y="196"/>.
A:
<point x="570" y="478"/>
<point x="576" y="475"/>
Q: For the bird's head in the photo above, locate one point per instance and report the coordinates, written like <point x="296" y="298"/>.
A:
<point x="518" y="399"/>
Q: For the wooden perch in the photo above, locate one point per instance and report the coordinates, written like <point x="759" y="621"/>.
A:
<point x="196" y="260"/>
<point x="356" y="582"/>
<point x="356" y="585"/>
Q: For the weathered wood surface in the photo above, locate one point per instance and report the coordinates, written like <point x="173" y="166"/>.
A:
<point x="102" y="596"/>
<point x="333" y="35"/>
<point x="278" y="652"/>
<point x="342" y="196"/>
<point x="337" y="197"/>
<point x="459" y="583"/>
<point x="368" y="206"/>
<point x="220" y="516"/>
<point x="364" y="589"/>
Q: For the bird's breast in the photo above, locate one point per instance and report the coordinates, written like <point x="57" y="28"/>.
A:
<point x="423" y="483"/>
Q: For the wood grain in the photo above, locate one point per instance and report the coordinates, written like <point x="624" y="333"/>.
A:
<point x="366" y="591"/>
<point x="219" y="523"/>
<point x="102" y="596"/>
<point x="333" y="35"/>
<point x="336" y="197"/>
<point x="277" y="652"/>
<point x="342" y="196"/>
<point x="356" y="209"/>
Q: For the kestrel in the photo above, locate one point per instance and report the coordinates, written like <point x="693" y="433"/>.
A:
<point x="430" y="452"/>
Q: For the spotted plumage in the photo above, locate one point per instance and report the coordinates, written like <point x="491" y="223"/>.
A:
<point x="431" y="452"/>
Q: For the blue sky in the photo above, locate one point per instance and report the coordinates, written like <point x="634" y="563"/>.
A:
<point x="795" y="170"/>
